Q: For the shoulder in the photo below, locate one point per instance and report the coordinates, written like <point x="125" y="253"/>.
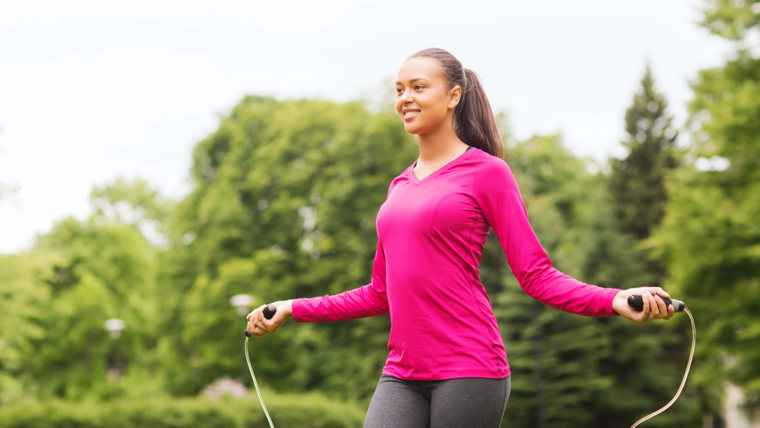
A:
<point x="492" y="171"/>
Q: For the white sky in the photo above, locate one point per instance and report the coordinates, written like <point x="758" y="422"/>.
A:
<point x="91" y="90"/>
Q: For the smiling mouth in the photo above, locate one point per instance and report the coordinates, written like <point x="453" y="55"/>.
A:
<point x="410" y="113"/>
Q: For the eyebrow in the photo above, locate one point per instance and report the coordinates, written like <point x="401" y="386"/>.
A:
<point x="413" y="80"/>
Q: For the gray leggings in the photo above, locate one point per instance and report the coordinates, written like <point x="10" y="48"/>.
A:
<point x="464" y="402"/>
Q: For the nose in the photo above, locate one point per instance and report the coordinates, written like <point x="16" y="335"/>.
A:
<point x="406" y="97"/>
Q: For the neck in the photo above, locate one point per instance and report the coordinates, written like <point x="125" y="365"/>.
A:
<point x="439" y="144"/>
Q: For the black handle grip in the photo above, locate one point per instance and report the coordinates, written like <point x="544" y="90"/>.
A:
<point x="636" y="302"/>
<point x="269" y="312"/>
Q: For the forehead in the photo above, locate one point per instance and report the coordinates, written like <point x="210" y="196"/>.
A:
<point x="420" y="68"/>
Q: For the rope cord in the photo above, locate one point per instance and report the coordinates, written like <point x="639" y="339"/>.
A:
<point x="637" y="423"/>
<point x="685" y="375"/>
<point x="256" y="385"/>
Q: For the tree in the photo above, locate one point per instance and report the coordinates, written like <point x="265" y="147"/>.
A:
<point x="61" y="291"/>
<point x="710" y="235"/>
<point x="563" y="365"/>
<point x="284" y="205"/>
<point x="19" y="303"/>
<point x="637" y="182"/>
<point x="133" y="202"/>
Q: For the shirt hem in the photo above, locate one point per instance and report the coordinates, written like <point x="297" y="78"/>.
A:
<point x="450" y="374"/>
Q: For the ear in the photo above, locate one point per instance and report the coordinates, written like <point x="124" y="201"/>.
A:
<point x="455" y="94"/>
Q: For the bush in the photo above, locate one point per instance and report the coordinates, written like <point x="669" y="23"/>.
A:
<point x="309" y="410"/>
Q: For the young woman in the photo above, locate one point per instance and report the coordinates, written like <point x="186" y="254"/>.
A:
<point x="447" y="366"/>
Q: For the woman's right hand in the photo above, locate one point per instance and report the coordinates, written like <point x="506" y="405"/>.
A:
<point x="259" y="326"/>
<point x="652" y="308"/>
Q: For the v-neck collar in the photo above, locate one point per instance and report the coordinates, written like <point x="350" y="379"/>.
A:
<point x="448" y="165"/>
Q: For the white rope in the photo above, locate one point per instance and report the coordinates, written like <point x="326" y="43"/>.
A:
<point x="685" y="375"/>
<point x="255" y="385"/>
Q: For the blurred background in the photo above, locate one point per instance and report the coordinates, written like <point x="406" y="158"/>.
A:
<point x="167" y="166"/>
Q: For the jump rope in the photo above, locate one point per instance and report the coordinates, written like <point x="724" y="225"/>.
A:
<point x="268" y="314"/>
<point x="636" y="302"/>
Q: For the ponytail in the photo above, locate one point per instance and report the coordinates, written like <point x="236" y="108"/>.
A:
<point x="474" y="121"/>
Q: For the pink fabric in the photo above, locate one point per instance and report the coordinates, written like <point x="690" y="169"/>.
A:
<point x="431" y="234"/>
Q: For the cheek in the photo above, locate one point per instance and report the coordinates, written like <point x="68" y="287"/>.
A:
<point x="436" y="108"/>
<point x="397" y="105"/>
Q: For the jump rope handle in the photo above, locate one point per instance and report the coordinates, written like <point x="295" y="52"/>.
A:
<point x="636" y="302"/>
<point x="269" y="312"/>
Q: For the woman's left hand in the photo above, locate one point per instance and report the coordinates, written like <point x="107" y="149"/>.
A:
<point x="654" y="307"/>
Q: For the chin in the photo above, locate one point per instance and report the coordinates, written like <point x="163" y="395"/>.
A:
<point x="410" y="129"/>
<point x="413" y="129"/>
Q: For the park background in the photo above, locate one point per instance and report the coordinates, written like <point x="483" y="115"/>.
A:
<point x="148" y="181"/>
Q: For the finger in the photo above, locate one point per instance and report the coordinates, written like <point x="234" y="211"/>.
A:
<point x="258" y="317"/>
<point x="252" y="330"/>
<point x="258" y="325"/>
<point x="650" y="307"/>
<point x="253" y="312"/>
<point x="253" y="323"/>
<point x="257" y="332"/>
<point x="662" y="308"/>
<point x="658" y="291"/>
<point x="270" y="325"/>
<point x="273" y="323"/>
<point x="264" y="328"/>
<point x="657" y="308"/>
<point x="646" y="307"/>
<point x="264" y="323"/>
<point x="252" y="315"/>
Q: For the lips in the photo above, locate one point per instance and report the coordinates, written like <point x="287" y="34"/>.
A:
<point x="409" y="113"/>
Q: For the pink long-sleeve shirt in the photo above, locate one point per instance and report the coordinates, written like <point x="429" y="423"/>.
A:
<point x="431" y="234"/>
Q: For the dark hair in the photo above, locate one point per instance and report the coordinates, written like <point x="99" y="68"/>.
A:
<point x="474" y="121"/>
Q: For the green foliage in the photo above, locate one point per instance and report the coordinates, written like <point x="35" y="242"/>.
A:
<point x="710" y="236"/>
<point x="637" y="183"/>
<point x="565" y="367"/>
<point x="19" y="303"/>
<point x="159" y="412"/>
<point x="285" y="197"/>
<point x="730" y="18"/>
<point x="284" y="205"/>
<point x="135" y="203"/>
<point x="62" y="290"/>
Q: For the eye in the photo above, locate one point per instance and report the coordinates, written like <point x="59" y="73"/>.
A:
<point x="418" y="87"/>
<point x="399" y="91"/>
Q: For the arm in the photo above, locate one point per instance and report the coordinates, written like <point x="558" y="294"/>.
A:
<point x="500" y="200"/>
<point x="369" y="300"/>
<point x="361" y="302"/>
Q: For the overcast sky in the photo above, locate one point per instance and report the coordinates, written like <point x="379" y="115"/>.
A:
<point x="91" y="90"/>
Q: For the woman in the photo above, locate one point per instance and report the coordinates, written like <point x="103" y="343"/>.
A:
<point x="447" y="366"/>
